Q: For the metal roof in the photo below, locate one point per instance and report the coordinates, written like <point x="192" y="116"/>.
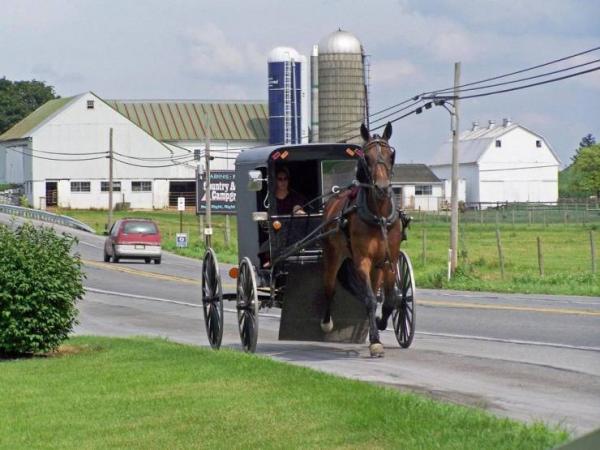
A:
<point x="24" y="128"/>
<point x="260" y="155"/>
<point x="181" y="120"/>
<point x="413" y="173"/>
<point x="473" y="143"/>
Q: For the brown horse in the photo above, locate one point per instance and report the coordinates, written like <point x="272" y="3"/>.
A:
<point x="364" y="251"/>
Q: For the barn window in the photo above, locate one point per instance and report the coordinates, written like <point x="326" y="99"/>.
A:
<point x="116" y="186"/>
<point x="90" y="104"/>
<point x="80" y="186"/>
<point x="141" y="186"/>
<point x="538" y="143"/>
<point x="423" y="190"/>
<point x="498" y="143"/>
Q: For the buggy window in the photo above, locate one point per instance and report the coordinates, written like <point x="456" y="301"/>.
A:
<point x="139" y="227"/>
<point x="337" y="173"/>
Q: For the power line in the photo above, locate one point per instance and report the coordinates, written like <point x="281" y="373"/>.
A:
<point x="31" y="155"/>
<point x="516" y="88"/>
<point x="554" y="61"/>
<point x="531" y="77"/>
<point x="153" y="167"/>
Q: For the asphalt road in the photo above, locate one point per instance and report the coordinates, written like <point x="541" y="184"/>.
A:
<point x="529" y="357"/>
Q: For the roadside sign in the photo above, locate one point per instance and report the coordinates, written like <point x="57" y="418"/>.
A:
<point x="222" y="193"/>
<point x="181" y="239"/>
<point x="180" y="203"/>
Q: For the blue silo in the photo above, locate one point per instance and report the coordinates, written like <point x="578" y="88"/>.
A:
<point x="286" y="96"/>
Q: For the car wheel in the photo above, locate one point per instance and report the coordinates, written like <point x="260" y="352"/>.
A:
<point x="115" y="258"/>
<point x="147" y="260"/>
<point x="157" y="261"/>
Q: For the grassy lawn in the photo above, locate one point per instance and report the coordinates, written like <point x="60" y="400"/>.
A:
<point x="565" y="248"/>
<point x="144" y="393"/>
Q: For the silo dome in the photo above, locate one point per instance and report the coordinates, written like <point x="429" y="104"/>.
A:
<point x="342" y="90"/>
<point x="340" y="41"/>
<point x="283" y="54"/>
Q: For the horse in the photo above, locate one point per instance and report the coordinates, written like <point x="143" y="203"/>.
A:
<point x="363" y="247"/>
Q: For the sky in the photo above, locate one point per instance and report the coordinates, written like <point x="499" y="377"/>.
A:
<point x="185" y="49"/>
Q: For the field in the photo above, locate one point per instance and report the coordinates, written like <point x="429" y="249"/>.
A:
<point x="149" y="393"/>
<point x="565" y="243"/>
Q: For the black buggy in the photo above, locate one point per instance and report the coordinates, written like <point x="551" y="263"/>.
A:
<point x="280" y="256"/>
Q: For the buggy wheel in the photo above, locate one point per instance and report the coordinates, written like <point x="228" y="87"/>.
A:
<point x="247" y="305"/>
<point x="404" y="315"/>
<point x="212" y="299"/>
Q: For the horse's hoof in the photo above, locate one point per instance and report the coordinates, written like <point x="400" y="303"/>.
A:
<point x="327" y="326"/>
<point x="381" y="325"/>
<point x="376" y="349"/>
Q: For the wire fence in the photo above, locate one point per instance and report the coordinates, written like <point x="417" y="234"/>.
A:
<point x="519" y="213"/>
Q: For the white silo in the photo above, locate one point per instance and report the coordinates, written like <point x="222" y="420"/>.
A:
<point x="341" y="87"/>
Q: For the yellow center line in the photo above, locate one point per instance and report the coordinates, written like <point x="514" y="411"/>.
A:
<point x="446" y="304"/>
<point x="129" y="270"/>
<point x="439" y="303"/>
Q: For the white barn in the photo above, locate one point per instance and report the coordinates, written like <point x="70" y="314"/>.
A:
<point x="59" y="152"/>
<point x="507" y="163"/>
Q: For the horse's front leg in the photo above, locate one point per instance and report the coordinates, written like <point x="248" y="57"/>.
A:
<point x="364" y="267"/>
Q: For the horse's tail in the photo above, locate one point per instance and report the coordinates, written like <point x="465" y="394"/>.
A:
<point x="349" y="279"/>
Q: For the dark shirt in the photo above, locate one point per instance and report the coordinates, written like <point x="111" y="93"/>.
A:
<point x="286" y="205"/>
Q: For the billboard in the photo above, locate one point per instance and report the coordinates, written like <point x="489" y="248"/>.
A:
<point x="222" y="192"/>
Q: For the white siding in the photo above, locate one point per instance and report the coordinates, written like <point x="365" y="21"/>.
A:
<point x="468" y="182"/>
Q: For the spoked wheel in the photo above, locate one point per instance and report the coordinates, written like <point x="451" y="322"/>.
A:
<point x="247" y="305"/>
<point x="212" y="299"/>
<point x="403" y="316"/>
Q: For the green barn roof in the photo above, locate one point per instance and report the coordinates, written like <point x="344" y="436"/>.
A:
<point x="24" y="128"/>
<point x="181" y="120"/>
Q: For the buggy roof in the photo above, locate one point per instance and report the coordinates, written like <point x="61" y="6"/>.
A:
<point x="260" y="156"/>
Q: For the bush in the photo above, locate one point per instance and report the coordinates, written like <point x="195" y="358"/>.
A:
<point x="40" y="281"/>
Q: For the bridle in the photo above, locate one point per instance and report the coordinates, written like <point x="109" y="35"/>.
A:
<point x="389" y="166"/>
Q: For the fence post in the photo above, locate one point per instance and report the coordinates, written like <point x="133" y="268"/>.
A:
<point x="566" y="214"/>
<point x="227" y="231"/>
<point x="513" y="216"/>
<point x="540" y="256"/>
<point x="500" y="256"/>
<point x="480" y="214"/>
<point x="593" y="251"/>
<point x="529" y="214"/>
<point x="424" y="246"/>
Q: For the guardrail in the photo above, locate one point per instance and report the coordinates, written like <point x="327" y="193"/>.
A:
<point x="45" y="216"/>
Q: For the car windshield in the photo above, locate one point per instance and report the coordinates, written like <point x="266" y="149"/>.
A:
<point x="139" y="227"/>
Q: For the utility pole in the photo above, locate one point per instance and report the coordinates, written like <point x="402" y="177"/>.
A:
<point x="208" y="229"/>
<point x="110" y="178"/>
<point x="454" y="185"/>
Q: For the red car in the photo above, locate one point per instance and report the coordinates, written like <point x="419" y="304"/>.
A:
<point x="133" y="239"/>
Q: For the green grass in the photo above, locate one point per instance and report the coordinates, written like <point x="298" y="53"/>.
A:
<point x="565" y="246"/>
<point x="565" y="249"/>
<point x="149" y="393"/>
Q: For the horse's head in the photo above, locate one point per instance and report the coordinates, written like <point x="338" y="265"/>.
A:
<point x="379" y="157"/>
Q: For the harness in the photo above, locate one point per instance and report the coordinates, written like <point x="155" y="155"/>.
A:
<point x="364" y="186"/>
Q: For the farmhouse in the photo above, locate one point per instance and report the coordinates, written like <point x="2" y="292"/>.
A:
<point x="507" y="163"/>
<point x="60" y="151"/>
<point x="416" y="187"/>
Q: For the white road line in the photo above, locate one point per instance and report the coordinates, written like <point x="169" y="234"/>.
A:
<point x="423" y="333"/>
<point x="507" y="341"/>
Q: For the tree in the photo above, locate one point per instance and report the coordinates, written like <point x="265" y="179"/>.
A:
<point x="586" y="141"/>
<point x="18" y="99"/>
<point x="586" y="169"/>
